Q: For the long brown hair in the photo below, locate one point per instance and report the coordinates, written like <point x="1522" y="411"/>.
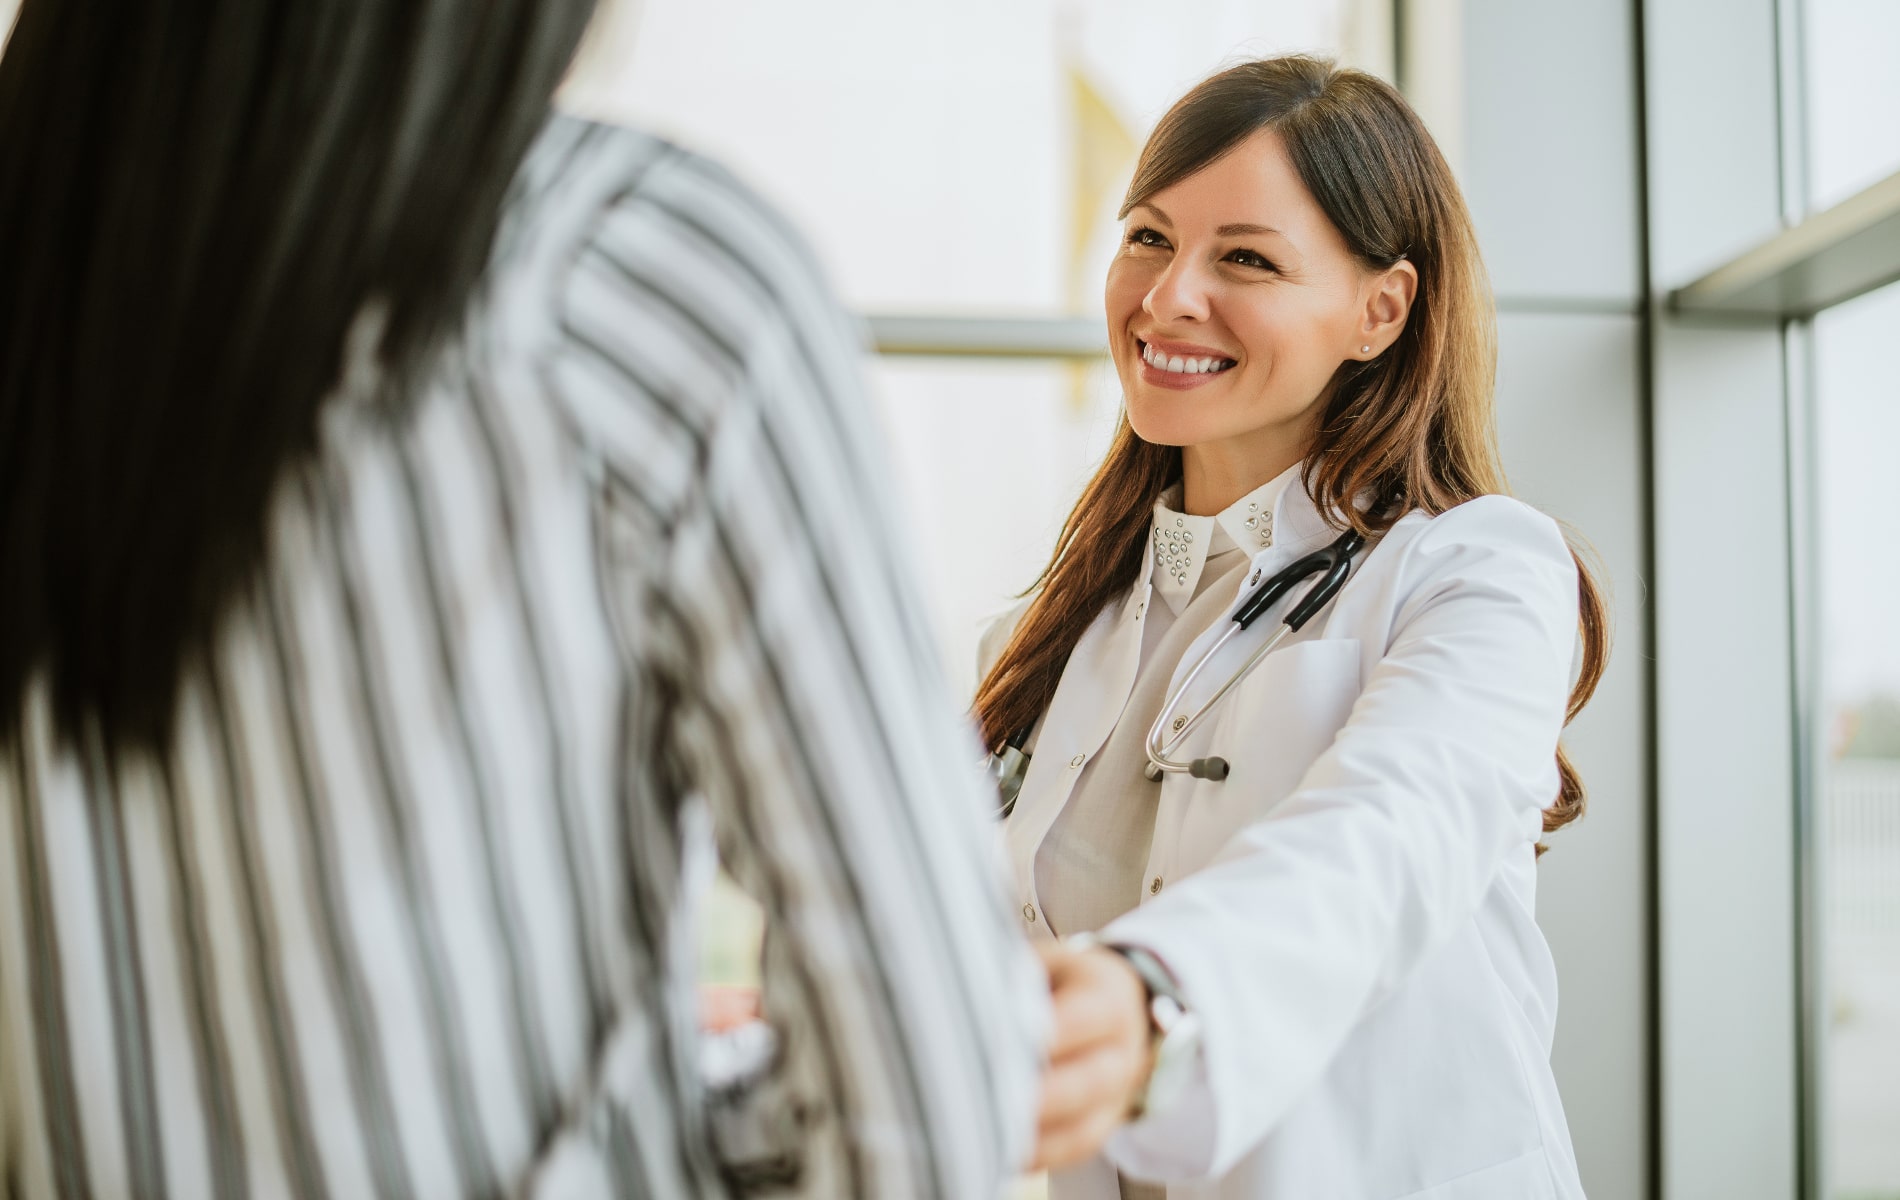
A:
<point x="1416" y="422"/>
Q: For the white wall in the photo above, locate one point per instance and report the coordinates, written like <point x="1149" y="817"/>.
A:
<point x="1571" y="421"/>
<point x="1552" y="158"/>
<point x="1725" y="719"/>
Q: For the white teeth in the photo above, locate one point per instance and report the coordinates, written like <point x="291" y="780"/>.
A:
<point x="1182" y="366"/>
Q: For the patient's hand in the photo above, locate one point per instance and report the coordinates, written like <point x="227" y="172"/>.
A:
<point x="723" y="1008"/>
<point x="1100" y="1054"/>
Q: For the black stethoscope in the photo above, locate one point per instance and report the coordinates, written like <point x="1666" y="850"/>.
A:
<point x="1332" y="563"/>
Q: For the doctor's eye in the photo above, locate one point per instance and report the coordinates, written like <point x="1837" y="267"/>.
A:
<point x="1141" y="235"/>
<point x="1248" y="258"/>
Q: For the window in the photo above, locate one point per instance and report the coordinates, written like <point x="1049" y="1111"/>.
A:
<point x="1857" y="856"/>
<point x="1850" y="47"/>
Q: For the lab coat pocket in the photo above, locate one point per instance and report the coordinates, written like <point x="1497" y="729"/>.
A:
<point x="1270" y="730"/>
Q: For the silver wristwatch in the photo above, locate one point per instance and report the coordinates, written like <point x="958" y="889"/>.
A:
<point x="1174" y="1029"/>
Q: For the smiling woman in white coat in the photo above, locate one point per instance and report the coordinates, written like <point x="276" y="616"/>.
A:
<point x="1311" y="971"/>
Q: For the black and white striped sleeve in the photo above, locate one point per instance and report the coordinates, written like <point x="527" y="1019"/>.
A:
<point x="773" y="609"/>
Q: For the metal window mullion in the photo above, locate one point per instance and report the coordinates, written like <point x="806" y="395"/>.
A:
<point x="1808" y="732"/>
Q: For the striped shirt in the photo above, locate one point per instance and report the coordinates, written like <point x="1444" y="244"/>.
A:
<point x="408" y="908"/>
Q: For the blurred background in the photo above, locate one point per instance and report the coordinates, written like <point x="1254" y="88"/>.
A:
<point x="1691" y="213"/>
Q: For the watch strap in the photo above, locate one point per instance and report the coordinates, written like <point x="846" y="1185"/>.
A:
<point x="1165" y="1004"/>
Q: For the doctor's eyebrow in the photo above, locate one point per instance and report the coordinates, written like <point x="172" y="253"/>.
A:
<point x="1234" y="229"/>
<point x="1243" y="229"/>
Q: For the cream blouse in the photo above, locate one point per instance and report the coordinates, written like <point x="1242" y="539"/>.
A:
<point x="1089" y="867"/>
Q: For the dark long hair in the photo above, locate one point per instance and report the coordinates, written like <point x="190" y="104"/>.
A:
<point x="1415" y="422"/>
<point x="199" y="197"/>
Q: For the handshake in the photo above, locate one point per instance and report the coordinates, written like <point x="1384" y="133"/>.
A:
<point x="1097" y="1063"/>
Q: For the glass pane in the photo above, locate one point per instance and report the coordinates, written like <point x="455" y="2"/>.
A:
<point x="1853" y="91"/>
<point x="1858" y="436"/>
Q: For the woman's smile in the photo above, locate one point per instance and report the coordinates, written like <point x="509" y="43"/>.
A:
<point x="1180" y="365"/>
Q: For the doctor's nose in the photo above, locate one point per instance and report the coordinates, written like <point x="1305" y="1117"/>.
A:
<point x="1179" y="295"/>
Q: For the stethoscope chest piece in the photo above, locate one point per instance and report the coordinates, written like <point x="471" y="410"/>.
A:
<point x="1214" y="769"/>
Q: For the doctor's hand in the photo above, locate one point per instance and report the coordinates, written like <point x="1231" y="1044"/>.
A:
<point x="1099" y="1057"/>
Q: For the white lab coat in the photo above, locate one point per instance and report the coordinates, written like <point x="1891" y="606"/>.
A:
<point x="1351" y="912"/>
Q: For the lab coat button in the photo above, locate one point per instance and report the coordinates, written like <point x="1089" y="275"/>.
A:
<point x="1155" y="887"/>
<point x="1029" y="913"/>
<point x="1078" y="760"/>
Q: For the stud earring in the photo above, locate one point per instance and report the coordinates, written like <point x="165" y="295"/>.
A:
<point x="1365" y="349"/>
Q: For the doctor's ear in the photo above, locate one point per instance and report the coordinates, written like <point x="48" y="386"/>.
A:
<point x="1387" y="297"/>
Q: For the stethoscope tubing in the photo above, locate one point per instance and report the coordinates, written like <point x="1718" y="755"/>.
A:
<point x="1010" y="764"/>
<point x="1336" y="561"/>
<point x="1158" y="759"/>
